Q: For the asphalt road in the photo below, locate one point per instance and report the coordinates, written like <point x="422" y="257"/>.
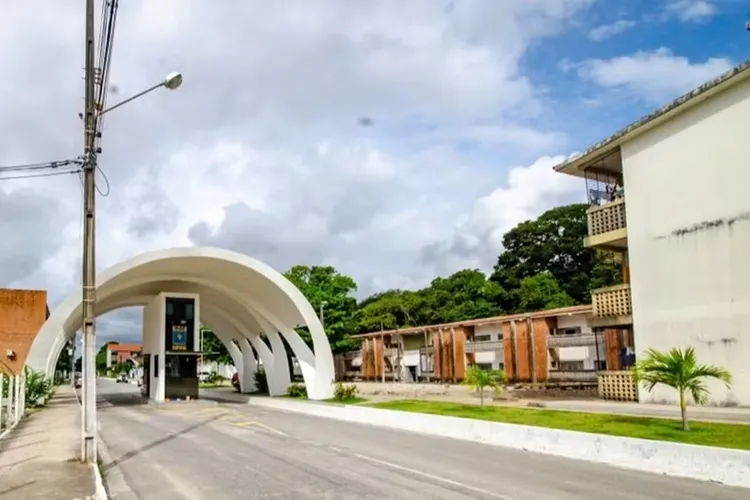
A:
<point x="211" y="450"/>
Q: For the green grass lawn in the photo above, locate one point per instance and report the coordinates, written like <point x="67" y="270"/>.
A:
<point x="701" y="433"/>
<point x="352" y="401"/>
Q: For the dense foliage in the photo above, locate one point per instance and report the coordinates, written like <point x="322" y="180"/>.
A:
<point x="543" y="265"/>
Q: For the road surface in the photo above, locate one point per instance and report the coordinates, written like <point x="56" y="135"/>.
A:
<point x="211" y="450"/>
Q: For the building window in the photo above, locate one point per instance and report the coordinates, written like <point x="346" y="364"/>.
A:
<point x="482" y="338"/>
<point x="568" y="331"/>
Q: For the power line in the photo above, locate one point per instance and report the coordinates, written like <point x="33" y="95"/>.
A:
<point x="31" y="176"/>
<point x="39" y="166"/>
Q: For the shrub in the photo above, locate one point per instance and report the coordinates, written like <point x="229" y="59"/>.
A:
<point x="297" y="391"/>
<point x="345" y="392"/>
<point x="261" y="382"/>
<point x="215" y="378"/>
<point x="38" y="388"/>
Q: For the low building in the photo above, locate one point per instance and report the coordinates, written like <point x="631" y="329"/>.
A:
<point x="553" y="346"/>
<point x="22" y="314"/>
<point x="122" y="353"/>
<point x="669" y="196"/>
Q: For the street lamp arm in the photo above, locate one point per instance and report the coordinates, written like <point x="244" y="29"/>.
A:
<point x="171" y="82"/>
<point x="136" y="96"/>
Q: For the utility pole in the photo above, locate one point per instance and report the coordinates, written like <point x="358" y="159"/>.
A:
<point x="89" y="243"/>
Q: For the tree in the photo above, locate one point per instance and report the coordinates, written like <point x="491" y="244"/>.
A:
<point x="214" y="349"/>
<point x="63" y="362"/>
<point x="479" y="380"/>
<point x="553" y="243"/>
<point x="679" y="369"/>
<point x="542" y="292"/>
<point x="466" y="294"/>
<point x="387" y="311"/>
<point x="324" y="286"/>
<point x="101" y="356"/>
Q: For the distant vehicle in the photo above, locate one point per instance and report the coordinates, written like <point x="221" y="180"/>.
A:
<point x="123" y="377"/>
<point x="236" y="381"/>
<point x="203" y="376"/>
<point x="78" y="382"/>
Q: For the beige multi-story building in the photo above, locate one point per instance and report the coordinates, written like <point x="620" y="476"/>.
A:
<point x="670" y="195"/>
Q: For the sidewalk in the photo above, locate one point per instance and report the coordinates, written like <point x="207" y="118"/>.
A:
<point x="40" y="457"/>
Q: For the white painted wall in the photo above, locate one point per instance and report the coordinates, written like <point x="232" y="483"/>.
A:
<point x="685" y="181"/>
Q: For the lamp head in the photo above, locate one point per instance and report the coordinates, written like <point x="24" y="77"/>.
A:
<point x="172" y="80"/>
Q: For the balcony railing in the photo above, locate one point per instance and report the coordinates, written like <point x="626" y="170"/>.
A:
<point x="578" y="340"/>
<point x="486" y="346"/>
<point x="612" y="302"/>
<point x="607" y="225"/>
<point x="605" y="218"/>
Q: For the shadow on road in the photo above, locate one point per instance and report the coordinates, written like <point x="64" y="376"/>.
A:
<point x="154" y="444"/>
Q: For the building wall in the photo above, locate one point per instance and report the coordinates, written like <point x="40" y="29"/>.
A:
<point x="688" y="217"/>
<point x="22" y="314"/>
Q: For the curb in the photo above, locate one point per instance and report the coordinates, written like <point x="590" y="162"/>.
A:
<point x="703" y="463"/>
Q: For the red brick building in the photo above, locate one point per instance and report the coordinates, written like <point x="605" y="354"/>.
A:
<point x="120" y="353"/>
<point x="22" y="314"/>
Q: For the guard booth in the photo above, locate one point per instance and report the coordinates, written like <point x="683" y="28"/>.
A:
<point x="171" y="324"/>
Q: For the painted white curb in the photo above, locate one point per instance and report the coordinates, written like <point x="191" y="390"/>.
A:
<point x="705" y="463"/>
<point x="99" y="492"/>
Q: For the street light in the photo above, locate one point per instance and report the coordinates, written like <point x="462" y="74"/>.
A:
<point x="171" y="82"/>
<point x="322" y="314"/>
<point x="92" y="114"/>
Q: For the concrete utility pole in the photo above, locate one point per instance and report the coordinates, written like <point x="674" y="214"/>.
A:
<point x="89" y="269"/>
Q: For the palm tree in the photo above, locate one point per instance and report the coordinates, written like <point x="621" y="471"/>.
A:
<point x="479" y="379"/>
<point x="679" y="369"/>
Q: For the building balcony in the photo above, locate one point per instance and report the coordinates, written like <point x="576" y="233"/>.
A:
<point x="612" y="306"/>
<point x="607" y="227"/>
<point x="486" y="346"/>
<point x="578" y="340"/>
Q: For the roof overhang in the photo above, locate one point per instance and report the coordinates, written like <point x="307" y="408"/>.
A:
<point x="578" y="163"/>
<point x="549" y="313"/>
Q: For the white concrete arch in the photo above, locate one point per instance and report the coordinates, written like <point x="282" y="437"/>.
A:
<point x="237" y="293"/>
<point x="232" y="316"/>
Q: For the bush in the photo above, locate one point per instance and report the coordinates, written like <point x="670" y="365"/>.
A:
<point x="345" y="392"/>
<point x="215" y="378"/>
<point x="297" y="391"/>
<point x="261" y="382"/>
<point x="38" y="388"/>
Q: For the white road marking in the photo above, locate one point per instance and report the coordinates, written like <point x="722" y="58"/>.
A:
<point x="432" y="477"/>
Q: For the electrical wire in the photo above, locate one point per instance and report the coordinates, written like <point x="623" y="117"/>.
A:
<point x="39" y="166"/>
<point x="106" y="45"/>
<point x="44" y="174"/>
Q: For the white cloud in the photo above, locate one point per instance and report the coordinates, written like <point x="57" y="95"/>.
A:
<point x="691" y="10"/>
<point x="655" y="76"/>
<point x="609" y="30"/>
<point x="528" y="191"/>
<point x="261" y="150"/>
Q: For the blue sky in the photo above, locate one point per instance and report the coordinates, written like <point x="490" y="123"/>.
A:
<point x="713" y="29"/>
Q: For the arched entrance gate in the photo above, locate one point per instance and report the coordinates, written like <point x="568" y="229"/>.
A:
<point x="239" y="298"/>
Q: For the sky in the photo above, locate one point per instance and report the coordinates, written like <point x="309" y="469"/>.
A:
<point x="396" y="141"/>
